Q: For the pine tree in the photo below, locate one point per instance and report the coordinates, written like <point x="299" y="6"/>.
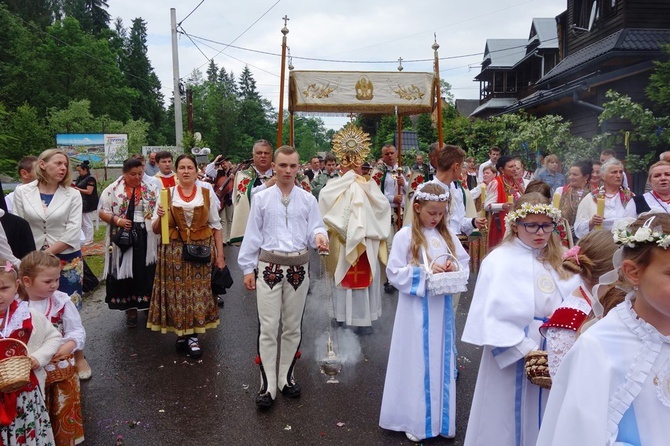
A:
<point x="141" y="77"/>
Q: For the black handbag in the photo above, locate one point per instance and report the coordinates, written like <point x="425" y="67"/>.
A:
<point x="193" y="253"/>
<point x="125" y="238"/>
<point x="196" y="253"/>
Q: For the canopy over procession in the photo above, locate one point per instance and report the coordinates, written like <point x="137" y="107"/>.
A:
<point x="564" y="270"/>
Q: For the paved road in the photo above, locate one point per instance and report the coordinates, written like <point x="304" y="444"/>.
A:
<point x="146" y="393"/>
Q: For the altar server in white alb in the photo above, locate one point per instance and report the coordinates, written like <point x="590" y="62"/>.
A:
<point x="613" y="386"/>
<point x="520" y="284"/>
<point x="420" y="389"/>
<point x="283" y="222"/>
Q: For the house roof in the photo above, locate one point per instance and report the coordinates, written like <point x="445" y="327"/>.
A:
<point x="410" y="140"/>
<point x="465" y="107"/>
<point x="494" y="104"/>
<point x="574" y="87"/>
<point x="503" y="53"/>
<point x="627" y="40"/>
<point x="544" y="31"/>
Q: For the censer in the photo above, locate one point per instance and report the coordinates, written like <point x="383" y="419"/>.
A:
<point x="331" y="364"/>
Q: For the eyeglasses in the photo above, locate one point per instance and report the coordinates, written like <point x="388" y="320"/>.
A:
<point x="535" y="228"/>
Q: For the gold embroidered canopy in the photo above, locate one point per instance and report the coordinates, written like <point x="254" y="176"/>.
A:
<point x="361" y="92"/>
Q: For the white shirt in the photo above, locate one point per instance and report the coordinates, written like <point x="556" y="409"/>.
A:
<point x="458" y="222"/>
<point x="152" y="179"/>
<point x="391" y="186"/>
<point x="267" y="226"/>
<point x="257" y="189"/>
<point x="73" y="329"/>
<point x="213" y="221"/>
<point x="482" y="166"/>
<point x="614" y="210"/>
<point x="5" y="249"/>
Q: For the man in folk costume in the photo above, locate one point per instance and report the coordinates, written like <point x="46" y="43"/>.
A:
<point x="258" y="177"/>
<point x="321" y="179"/>
<point x="358" y="218"/>
<point x="284" y="221"/>
<point x="165" y="173"/>
<point x="392" y="182"/>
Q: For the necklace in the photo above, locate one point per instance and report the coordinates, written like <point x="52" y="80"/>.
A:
<point x="662" y="382"/>
<point x="285" y="200"/>
<point x="660" y="202"/>
<point x="187" y="198"/>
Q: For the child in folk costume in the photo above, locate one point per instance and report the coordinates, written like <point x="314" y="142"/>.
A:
<point x="39" y="273"/>
<point x="613" y="387"/>
<point x="24" y="419"/>
<point x="420" y="389"/>
<point x="520" y="284"/>
<point x="591" y="259"/>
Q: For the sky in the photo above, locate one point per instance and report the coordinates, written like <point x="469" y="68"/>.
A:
<point x="342" y="33"/>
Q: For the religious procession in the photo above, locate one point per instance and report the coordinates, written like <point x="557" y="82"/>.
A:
<point x="365" y="294"/>
<point x="588" y="262"/>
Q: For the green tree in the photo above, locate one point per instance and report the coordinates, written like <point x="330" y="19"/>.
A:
<point x="42" y="13"/>
<point x="147" y="100"/>
<point x="658" y="89"/>
<point x="91" y="14"/>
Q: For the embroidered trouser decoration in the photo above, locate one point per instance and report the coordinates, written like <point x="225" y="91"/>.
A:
<point x="272" y="274"/>
<point x="280" y="300"/>
<point x="295" y="276"/>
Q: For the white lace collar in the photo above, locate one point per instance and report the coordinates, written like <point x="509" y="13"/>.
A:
<point x="16" y="321"/>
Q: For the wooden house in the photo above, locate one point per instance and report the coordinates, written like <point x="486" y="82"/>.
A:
<point x="601" y="45"/>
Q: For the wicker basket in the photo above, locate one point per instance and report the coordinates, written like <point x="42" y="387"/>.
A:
<point x="537" y="368"/>
<point x="15" y="366"/>
<point x="60" y="371"/>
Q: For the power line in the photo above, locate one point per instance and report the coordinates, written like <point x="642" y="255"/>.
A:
<point x="227" y="55"/>
<point x="244" y="32"/>
<point x="395" y="61"/>
<point x="189" y="14"/>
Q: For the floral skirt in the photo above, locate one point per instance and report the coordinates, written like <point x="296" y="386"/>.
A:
<point x="72" y="276"/>
<point x="31" y="426"/>
<point x="132" y="292"/>
<point x="182" y="301"/>
<point x="63" y="400"/>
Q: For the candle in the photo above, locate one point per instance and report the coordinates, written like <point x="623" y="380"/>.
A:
<point x="482" y="198"/>
<point x="557" y="200"/>
<point x="600" y="211"/>
<point x="165" y="231"/>
<point x="510" y="198"/>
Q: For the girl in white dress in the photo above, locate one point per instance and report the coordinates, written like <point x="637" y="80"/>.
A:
<point x="520" y="284"/>
<point x="591" y="259"/>
<point x="419" y="392"/>
<point x="613" y="386"/>
<point x="39" y="274"/>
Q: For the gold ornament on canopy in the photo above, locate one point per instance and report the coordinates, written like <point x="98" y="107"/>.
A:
<point x="351" y="145"/>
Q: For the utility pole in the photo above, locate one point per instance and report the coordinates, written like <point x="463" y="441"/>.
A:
<point x="189" y="110"/>
<point x="178" y="124"/>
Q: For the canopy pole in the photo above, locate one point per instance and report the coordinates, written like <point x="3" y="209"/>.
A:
<point x="280" y="118"/>
<point x="438" y="95"/>
<point x="291" y="129"/>
<point x="399" y="172"/>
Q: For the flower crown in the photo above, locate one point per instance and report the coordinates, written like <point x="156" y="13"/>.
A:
<point x="645" y="234"/>
<point x="418" y="195"/>
<point x="528" y="208"/>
